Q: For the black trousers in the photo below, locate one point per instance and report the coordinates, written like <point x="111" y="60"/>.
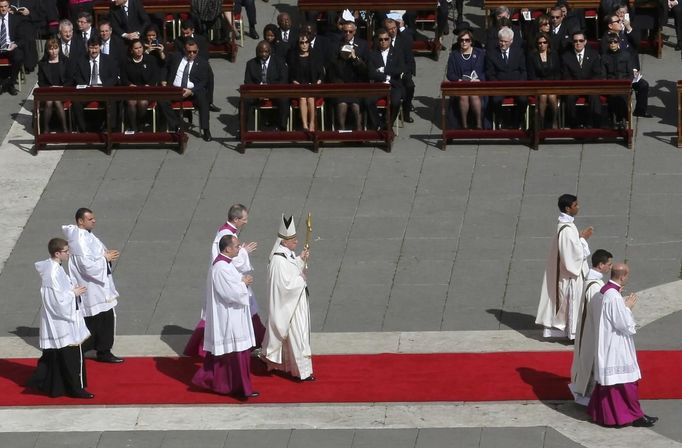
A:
<point x="79" y="117"/>
<point x="520" y="108"/>
<point x="641" y="89"/>
<point x="16" y="59"/>
<point x="101" y="327"/>
<point x="397" y="95"/>
<point x="592" y="114"/>
<point x="60" y="371"/>
<point x="250" y="6"/>
<point x="282" y="111"/>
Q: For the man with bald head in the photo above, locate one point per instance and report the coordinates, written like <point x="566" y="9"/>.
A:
<point x="264" y="69"/>
<point x="615" y="399"/>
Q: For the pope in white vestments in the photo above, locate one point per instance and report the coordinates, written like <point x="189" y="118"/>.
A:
<point x="582" y="378"/>
<point x="229" y="332"/>
<point x="287" y="338"/>
<point x="565" y="272"/>
<point x="61" y="370"/>
<point x="615" y="399"/>
<point x="89" y="265"/>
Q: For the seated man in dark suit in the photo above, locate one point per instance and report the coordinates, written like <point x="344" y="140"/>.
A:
<point x="128" y="19"/>
<point x="112" y="45"/>
<point x="11" y="46"/>
<point x="264" y="69"/>
<point x="348" y="37"/>
<point x="582" y="63"/>
<point x="187" y="31"/>
<point x="96" y="69"/>
<point x="506" y="63"/>
<point x="191" y="73"/>
<point x="386" y="65"/>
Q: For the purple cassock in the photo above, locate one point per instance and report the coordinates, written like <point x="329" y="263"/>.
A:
<point x="226" y="374"/>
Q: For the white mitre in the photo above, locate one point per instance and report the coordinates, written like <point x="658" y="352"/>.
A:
<point x="287" y="231"/>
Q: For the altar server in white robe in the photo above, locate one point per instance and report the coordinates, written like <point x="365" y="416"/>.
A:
<point x="229" y="333"/>
<point x="60" y="370"/>
<point x="615" y="399"/>
<point x="90" y="266"/>
<point x="237" y="218"/>
<point x="582" y="378"/>
<point x="286" y="345"/>
<point x="565" y="273"/>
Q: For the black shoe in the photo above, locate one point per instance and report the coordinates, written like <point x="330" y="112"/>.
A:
<point x="408" y="119"/>
<point x="643" y="114"/>
<point x="213" y="108"/>
<point x="643" y="422"/>
<point x="206" y="135"/>
<point x="12" y="90"/>
<point x="653" y="419"/>
<point x="253" y="34"/>
<point x="109" y="358"/>
<point x="253" y="394"/>
<point x="310" y="378"/>
<point x="82" y="393"/>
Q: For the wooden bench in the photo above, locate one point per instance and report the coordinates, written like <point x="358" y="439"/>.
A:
<point x="431" y="46"/>
<point x="535" y="133"/>
<point x="101" y="9"/>
<point x="314" y="138"/>
<point x="111" y="134"/>
<point x="679" y="114"/>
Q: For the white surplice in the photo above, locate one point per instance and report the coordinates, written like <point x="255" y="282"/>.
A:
<point x="228" y="318"/>
<point x="582" y="377"/>
<point x="616" y="357"/>
<point x="561" y="288"/>
<point x="88" y="267"/>
<point x="287" y="335"/>
<point x="61" y="324"/>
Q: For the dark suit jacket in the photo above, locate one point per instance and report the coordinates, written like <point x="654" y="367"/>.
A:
<point x="395" y="67"/>
<point x="403" y="43"/>
<point x="78" y="37"/>
<point x="277" y="71"/>
<point x="202" y="43"/>
<point x="118" y="49"/>
<point x="629" y="43"/>
<point x="549" y="70"/>
<point x="498" y="70"/>
<point x="291" y="44"/>
<point x="361" y="48"/>
<point x="107" y="68"/>
<point x="322" y="49"/>
<point x="76" y="52"/>
<point x="561" y="40"/>
<point x="136" y="20"/>
<point x="591" y="68"/>
<point x="60" y="77"/>
<point x="16" y="34"/>
<point x="617" y="65"/>
<point x="198" y="74"/>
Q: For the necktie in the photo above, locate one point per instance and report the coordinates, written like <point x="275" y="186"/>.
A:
<point x="505" y="56"/>
<point x="580" y="59"/>
<point x="67" y="49"/>
<point x="185" y="76"/>
<point x="286" y="36"/>
<point x="94" y="74"/>
<point x="3" y="32"/>
<point x="393" y="42"/>
<point x="264" y="73"/>
<point x="125" y="10"/>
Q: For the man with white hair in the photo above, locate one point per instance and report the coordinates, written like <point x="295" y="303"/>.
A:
<point x="286" y="345"/>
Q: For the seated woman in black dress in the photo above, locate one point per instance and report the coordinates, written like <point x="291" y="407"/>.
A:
<point x="544" y="64"/>
<point x="53" y="70"/>
<point x="139" y="70"/>
<point x="304" y="68"/>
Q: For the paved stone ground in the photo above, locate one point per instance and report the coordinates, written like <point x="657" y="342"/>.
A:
<point x="414" y="240"/>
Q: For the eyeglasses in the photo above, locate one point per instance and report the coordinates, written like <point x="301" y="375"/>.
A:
<point x="348" y="31"/>
<point x="615" y="21"/>
<point x="542" y="42"/>
<point x="383" y="39"/>
<point x="578" y="41"/>
<point x="304" y="42"/>
<point x="613" y="41"/>
<point x="192" y="51"/>
<point x="465" y="39"/>
<point x="555" y="17"/>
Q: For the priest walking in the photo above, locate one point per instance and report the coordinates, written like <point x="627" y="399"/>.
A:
<point x="582" y="378"/>
<point x="61" y="370"/>
<point x="229" y="331"/>
<point x="565" y="273"/>
<point x="286" y="345"/>
<point x="615" y="399"/>
<point x="90" y="266"/>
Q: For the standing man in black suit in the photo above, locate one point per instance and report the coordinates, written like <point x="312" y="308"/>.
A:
<point x="96" y="69"/>
<point x="506" y="63"/>
<point x="582" y="63"/>
<point x="128" y="19"/>
<point x="386" y="65"/>
<point x="402" y="43"/>
<point x="11" y="46"/>
<point x="187" y="31"/>
<point x="560" y="36"/>
<point x="264" y="69"/>
<point x="191" y="73"/>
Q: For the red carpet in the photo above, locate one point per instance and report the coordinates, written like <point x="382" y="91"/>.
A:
<point x="350" y="378"/>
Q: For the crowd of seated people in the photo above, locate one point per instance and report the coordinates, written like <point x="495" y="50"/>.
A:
<point x="555" y="46"/>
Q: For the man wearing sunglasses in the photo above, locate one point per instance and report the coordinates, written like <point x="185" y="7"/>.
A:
<point x="582" y="63"/>
<point x="387" y="65"/>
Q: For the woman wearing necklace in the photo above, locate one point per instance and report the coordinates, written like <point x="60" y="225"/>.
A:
<point x="467" y="64"/>
<point x="304" y="68"/>
<point x="140" y="70"/>
<point x="53" y="71"/>
<point x="544" y="64"/>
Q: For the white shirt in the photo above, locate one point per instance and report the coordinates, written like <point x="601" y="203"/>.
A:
<point x="105" y="46"/>
<point x="384" y="56"/>
<point x="177" y="82"/>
